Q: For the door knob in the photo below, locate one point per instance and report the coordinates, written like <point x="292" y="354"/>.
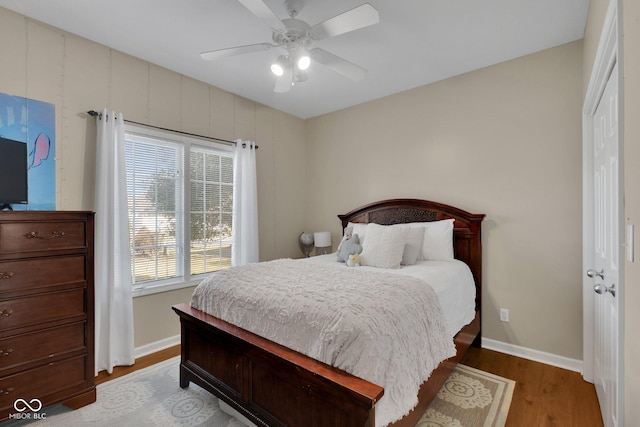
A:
<point x="602" y="289"/>
<point x="593" y="273"/>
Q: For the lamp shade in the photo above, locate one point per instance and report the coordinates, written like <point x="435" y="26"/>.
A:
<point x="322" y="239"/>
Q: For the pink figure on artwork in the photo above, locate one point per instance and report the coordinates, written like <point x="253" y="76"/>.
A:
<point x="40" y="150"/>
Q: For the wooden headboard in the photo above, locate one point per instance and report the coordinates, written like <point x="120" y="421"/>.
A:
<point x="467" y="241"/>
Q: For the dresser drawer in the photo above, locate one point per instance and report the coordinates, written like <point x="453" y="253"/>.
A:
<point x="28" y="236"/>
<point x="41" y="345"/>
<point x="43" y="381"/>
<point x="32" y="310"/>
<point x="38" y="272"/>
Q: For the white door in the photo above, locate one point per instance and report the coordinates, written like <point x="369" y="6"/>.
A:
<point x="605" y="270"/>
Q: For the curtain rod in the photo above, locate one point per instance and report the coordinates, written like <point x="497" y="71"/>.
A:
<point x="97" y="114"/>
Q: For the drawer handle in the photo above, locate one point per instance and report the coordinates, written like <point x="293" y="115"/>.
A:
<point x="6" y="391"/>
<point x="6" y="275"/>
<point x="7" y="352"/>
<point x="6" y="313"/>
<point x="36" y="235"/>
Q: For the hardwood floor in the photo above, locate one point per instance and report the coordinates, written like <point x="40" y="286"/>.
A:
<point x="544" y="395"/>
<point x="141" y="362"/>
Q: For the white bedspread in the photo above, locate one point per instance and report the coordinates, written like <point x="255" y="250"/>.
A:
<point x="452" y="281"/>
<point x="385" y="328"/>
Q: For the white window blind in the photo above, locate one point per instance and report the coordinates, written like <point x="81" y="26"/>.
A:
<point x="211" y="210"/>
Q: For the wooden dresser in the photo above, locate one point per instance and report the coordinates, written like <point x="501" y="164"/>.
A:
<point x="46" y="309"/>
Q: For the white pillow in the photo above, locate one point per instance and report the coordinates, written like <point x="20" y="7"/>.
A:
<point x="413" y="246"/>
<point x="437" y="244"/>
<point x="384" y="246"/>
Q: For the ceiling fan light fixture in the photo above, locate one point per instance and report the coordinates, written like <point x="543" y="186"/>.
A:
<point x="304" y="61"/>
<point x="280" y="65"/>
<point x="277" y="69"/>
<point x="301" y="57"/>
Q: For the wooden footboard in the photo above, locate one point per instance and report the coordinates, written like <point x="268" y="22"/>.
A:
<point x="272" y="385"/>
<point x="267" y="383"/>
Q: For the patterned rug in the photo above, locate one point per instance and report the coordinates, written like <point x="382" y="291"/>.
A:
<point x="152" y="397"/>
<point x="470" y="397"/>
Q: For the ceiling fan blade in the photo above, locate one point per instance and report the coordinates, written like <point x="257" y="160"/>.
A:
<point x="284" y="82"/>
<point x="339" y="65"/>
<point x="262" y="11"/>
<point x="234" y="51"/>
<point x="359" y="17"/>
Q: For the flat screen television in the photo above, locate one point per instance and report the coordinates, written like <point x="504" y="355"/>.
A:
<point x="13" y="173"/>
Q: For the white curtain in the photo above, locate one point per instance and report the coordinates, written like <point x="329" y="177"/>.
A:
<point x="114" y="304"/>
<point x="244" y="247"/>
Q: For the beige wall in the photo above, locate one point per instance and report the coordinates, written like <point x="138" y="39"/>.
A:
<point x="77" y="75"/>
<point x="504" y="141"/>
<point x="630" y="56"/>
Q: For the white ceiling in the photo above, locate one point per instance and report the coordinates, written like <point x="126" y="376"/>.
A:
<point x="417" y="42"/>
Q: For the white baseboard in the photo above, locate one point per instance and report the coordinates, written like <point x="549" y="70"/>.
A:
<point x="535" y="355"/>
<point x="157" y="346"/>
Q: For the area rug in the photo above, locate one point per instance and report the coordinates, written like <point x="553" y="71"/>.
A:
<point x="470" y="398"/>
<point x="152" y="397"/>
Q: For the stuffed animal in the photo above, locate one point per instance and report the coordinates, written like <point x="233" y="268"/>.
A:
<point x="349" y="246"/>
<point x="353" y="260"/>
<point x="347" y="235"/>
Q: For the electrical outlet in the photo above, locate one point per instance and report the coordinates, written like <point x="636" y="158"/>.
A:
<point x="504" y="314"/>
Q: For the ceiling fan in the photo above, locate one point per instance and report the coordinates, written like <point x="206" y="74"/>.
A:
<point x="296" y="36"/>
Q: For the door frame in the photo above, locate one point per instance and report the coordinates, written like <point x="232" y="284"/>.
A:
<point x="608" y="54"/>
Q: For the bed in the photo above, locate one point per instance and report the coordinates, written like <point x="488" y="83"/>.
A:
<point x="272" y="385"/>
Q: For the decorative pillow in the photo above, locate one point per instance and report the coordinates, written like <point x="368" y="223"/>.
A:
<point x="348" y="247"/>
<point x="437" y="244"/>
<point x="384" y="246"/>
<point x="413" y="246"/>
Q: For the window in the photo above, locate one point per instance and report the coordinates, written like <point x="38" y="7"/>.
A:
<point x="171" y="211"/>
